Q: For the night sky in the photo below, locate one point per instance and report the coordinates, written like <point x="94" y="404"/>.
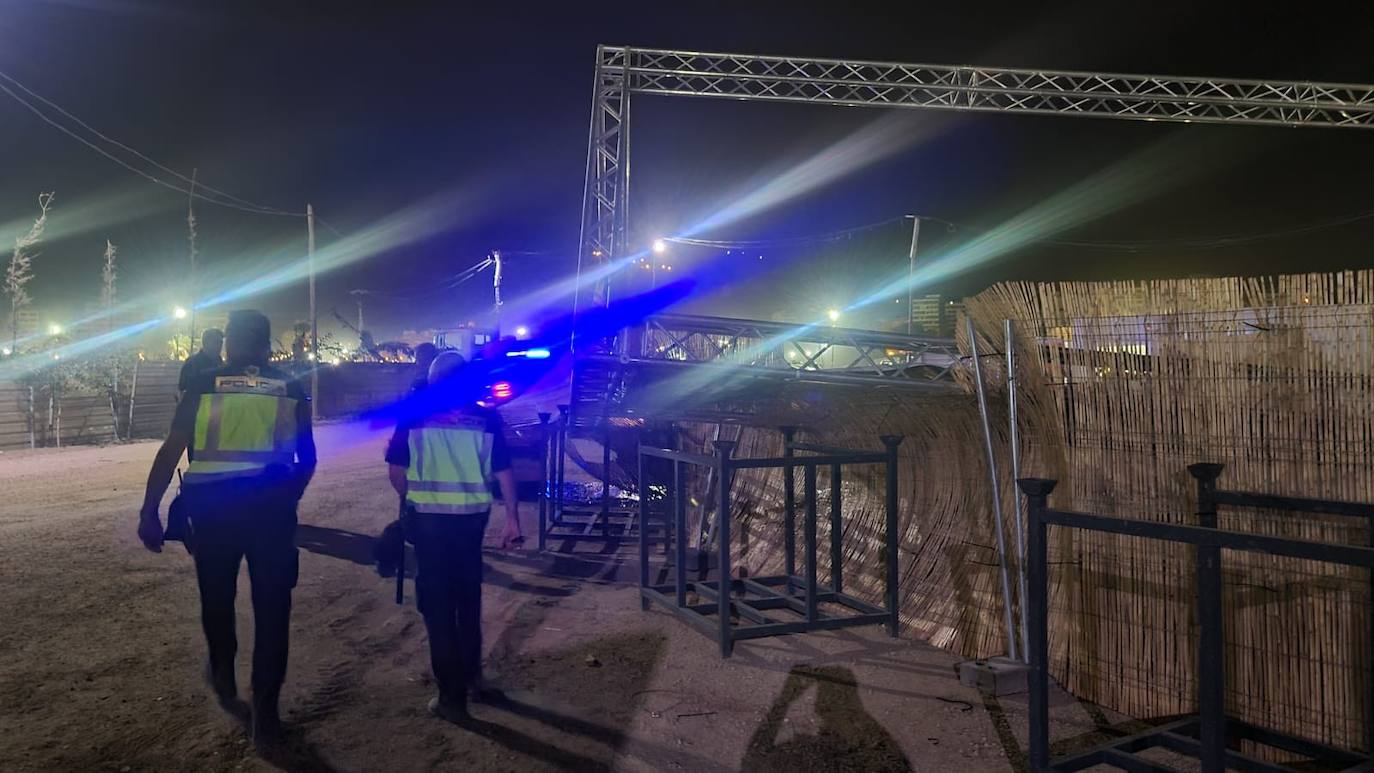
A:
<point x="477" y="113"/>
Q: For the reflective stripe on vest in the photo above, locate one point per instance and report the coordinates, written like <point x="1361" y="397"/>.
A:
<point x="450" y="465"/>
<point x="246" y="425"/>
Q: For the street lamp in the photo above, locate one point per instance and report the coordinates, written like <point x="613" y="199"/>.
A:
<point x="660" y="246"/>
<point x="54" y="329"/>
<point x="521" y="331"/>
<point x="179" y="313"/>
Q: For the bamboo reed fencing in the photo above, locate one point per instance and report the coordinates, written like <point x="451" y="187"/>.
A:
<point x="1122" y="385"/>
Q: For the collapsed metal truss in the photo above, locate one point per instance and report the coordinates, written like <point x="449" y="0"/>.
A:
<point x="740" y="355"/>
<point x="623" y="71"/>
<point x="798" y="351"/>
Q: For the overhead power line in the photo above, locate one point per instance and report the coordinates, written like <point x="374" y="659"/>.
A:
<point x="223" y="200"/>
<point x="1220" y="241"/>
<point x="1135" y="245"/>
<point x="748" y="243"/>
<point x="445" y="285"/>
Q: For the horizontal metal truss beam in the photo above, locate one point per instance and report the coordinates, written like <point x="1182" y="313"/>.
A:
<point x="991" y="89"/>
<point x="799" y="350"/>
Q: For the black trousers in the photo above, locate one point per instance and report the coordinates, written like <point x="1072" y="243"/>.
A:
<point x="448" y="587"/>
<point x="257" y="521"/>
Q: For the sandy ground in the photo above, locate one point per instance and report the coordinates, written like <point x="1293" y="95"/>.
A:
<point x="101" y="656"/>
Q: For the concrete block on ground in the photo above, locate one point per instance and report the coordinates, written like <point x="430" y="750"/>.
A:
<point x="998" y="675"/>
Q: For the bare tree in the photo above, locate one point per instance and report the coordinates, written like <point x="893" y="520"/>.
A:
<point x="107" y="283"/>
<point x="20" y="270"/>
<point x="191" y="240"/>
<point x="107" y="302"/>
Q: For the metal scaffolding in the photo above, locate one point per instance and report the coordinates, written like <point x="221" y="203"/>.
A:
<point x="623" y="71"/>
<point x="803" y="351"/>
<point x="743" y="361"/>
<point x="799" y="596"/>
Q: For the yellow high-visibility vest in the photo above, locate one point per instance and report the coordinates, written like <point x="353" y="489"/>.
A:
<point x="245" y="426"/>
<point x="450" y="465"/>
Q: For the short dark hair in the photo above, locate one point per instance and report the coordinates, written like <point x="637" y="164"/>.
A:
<point x="211" y="332"/>
<point x="248" y="330"/>
<point x="426" y="349"/>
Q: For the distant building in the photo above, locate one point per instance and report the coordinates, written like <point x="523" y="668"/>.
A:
<point x="953" y="310"/>
<point x="933" y="315"/>
<point x="25" y="321"/>
<point x="927" y="315"/>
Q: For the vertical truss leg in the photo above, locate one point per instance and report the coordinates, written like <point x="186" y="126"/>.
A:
<point x="809" y="528"/>
<point x="680" y="516"/>
<point x="789" y="512"/>
<point x="643" y="532"/>
<point x="544" y="479"/>
<point x="836" y="532"/>
<point x="723" y="449"/>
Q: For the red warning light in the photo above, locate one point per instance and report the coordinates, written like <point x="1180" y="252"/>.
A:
<point x="502" y="390"/>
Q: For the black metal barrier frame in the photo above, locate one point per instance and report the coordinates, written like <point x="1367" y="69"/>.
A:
<point x="568" y="522"/>
<point x="572" y="523"/>
<point x="751" y="598"/>
<point x="1203" y="736"/>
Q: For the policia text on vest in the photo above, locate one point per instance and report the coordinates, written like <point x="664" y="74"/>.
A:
<point x="246" y="430"/>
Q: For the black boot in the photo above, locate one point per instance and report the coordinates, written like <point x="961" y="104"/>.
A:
<point x="267" y="729"/>
<point x="226" y="690"/>
<point x="452" y="711"/>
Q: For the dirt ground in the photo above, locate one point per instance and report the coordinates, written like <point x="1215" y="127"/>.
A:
<point x="101" y="656"/>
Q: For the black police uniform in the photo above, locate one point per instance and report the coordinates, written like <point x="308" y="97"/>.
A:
<point x="253" y="518"/>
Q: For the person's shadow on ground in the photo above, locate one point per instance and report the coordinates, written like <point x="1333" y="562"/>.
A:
<point x="337" y="543"/>
<point x="848" y="738"/>
<point x="361" y="549"/>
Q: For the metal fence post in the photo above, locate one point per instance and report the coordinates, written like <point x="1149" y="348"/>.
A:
<point x="562" y="451"/>
<point x="809" y="529"/>
<point x="1369" y="647"/>
<point x="133" y="393"/>
<point x="1017" y="517"/>
<point x="1037" y="491"/>
<point x="1211" y="676"/>
<point x="836" y="531"/>
<point x="680" y="526"/>
<point x="643" y="518"/>
<point x="606" y="485"/>
<point x="1007" y="601"/>
<point x="789" y="508"/>
<point x="667" y="502"/>
<point x="892" y="587"/>
<point x="544" y="478"/>
<point x="723" y="451"/>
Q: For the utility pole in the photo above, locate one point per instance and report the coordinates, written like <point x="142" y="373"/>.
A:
<point x="358" y="296"/>
<point x="191" y="237"/>
<point x="911" y="270"/>
<point x="496" y="287"/>
<point x="314" y="319"/>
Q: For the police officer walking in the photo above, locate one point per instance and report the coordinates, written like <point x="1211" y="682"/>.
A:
<point x="246" y="427"/>
<point x="211" y="341"/>
<point x="442" y="464"/>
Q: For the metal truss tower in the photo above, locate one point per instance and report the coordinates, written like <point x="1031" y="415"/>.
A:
<point x="623" y="71"/>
